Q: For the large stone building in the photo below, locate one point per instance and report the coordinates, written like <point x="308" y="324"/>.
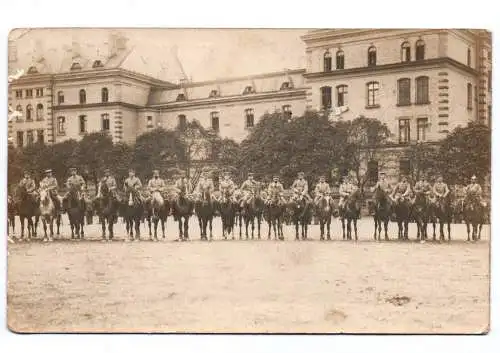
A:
<point x="421" y="83"/>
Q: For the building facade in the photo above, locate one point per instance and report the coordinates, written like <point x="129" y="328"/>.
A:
<point x="421" y="83"/>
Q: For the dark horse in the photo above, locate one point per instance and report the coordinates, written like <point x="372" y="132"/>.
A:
<point x="12" y="211"/>
<point x="227" y="209"/>
<point x="301" y="209"/>
<point x="108" y="211"/>
<point x="74" y="205"/>
<point x="473" y="216"/>
<point x="443" y="210"/>
<point x="133" y="209"/>
<point x="324" y="212"/>
<point x="349" y="213"/>
<point x="274" y="215"/>
<point x="28" y="209"/>
<point x="420" y="211"/>
<point x="253" y="210"/>
<point x="402" y="211"/>
<point x="182" y="210"/>
<point x="205" y="211"/>
<point x="382" y="209"/>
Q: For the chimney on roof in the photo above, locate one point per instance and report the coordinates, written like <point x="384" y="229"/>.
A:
<point x="75" y="49"/>
<point x="117" y="44"/>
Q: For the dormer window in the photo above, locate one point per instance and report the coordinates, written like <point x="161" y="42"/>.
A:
<point x="76" y="66"/>
<point x="181" y="97"/>
<point x="285" y="85"/>
<point x="32" y="70"/>
<point x="214" y="93"/>
<point x="97" y="63"/>
<point x="248" y="90"/>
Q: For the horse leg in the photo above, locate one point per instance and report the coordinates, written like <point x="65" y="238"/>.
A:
<point x="111" y="223"/>
<point x="103" y="226"/>
<point x="321" y="229"/>
<point x="468" y="230"/>
<point x="386" y="225"/>
<point x="181" y="235"/>
<point x="259" y="220"/>
<point x="270" y="223"/>
<point x="449" y="231"/>
<point x="253" y="226"/>
<point x="343" y="228"/>
<point x="406" y="229"/>
<point x="149" y="226"/>
<point x="210" y="225"/>
<point x="296" y="230"/>
<point x="441" y="230"/>
<point x="186" y="228"/>
<point x="163" y="221"/>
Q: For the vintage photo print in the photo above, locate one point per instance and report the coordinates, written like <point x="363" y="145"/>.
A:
<point x="249" y="180"/>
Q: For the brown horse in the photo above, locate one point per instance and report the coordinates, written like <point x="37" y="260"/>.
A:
<point x="349" y="214"/>
<point x="324" y="210"/>
<point x="301" y="210"/>
<point x="28" y="209"/>
<point x="182" y="210"/>
<point x="382" y="209"/>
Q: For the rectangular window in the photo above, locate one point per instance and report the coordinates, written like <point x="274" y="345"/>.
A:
<point x="105" y="123"/>
<point x="326" y="97"/>
<point x="82" y="124"/>
<point x="340" y="60"/>
<point x="404" y="131"/>
<point x="20" y="139"/>
<point x="30" y="139"/>
<point x="287" y="111"/>
<point x="149" y="122"/>
<point x="249" y="118"/>
<point x="469" y="96"/>
<point x="182" y="122"/>
<point x="404" y="166"/>
<point x="422" y="94"/>
<point x="61" y="125"/>
<point x="327" y="64"/>
<point x="29" y="93"/>
<point x="60" y="97"/>
<point x="372" y="94"/>
<point x="40" y="136"/>
<point x="39" y="92"/>
<point x="19" y="93"/>
<point x="214" y="117"/>
<point x="341" y="95"/>
<point x="422" y="124"/>
<point x="404" y="91"/>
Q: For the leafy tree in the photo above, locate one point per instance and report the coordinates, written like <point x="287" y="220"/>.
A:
<point x="423" y="159"/>
<point x="93" y="153"/>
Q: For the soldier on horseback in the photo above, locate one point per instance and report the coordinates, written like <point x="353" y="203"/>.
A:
<point x="424" y="187"/>
<point x="132" y="184"/>
<point x="474" y="192"/>
<point x="322" y="190"/>
<point x="275" y="191"/>
<point x="27" y="183"/>
<point x="383" y="184"/>
<point x="49" y="183"/>
<point x="248" y="188"/>
<point x="402" y="190"/>
<point x="156" y="184"/>
<point x="300" y="187"/>
<point x="110" y="182"/>
<point x="182" y="184"/>
<point x="440" y="189"/>
<point x="75" y="182"/>
<point x="227" y="186"/>
<point x="206" y="186"/>
<point x="347" y="188"/>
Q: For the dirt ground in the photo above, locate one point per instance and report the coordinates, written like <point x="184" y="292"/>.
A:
<point x="250" y="286"/>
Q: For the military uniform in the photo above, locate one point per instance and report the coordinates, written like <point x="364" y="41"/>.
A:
<point x="76" y="182"/>
<point x="322" y="189"/>
<point x="227" y="187"/>
<point x="346" y="189"/>
<point x="206" y="186"/>
<point x="110" y="183"/>
<point x="300" y="187"/>
<point x="384" y="185"/>
<point x="156" y="184"/>
<point x="182" y="185"/>
<point x="440" y="189"/>
<point x="475" y="192"/>
<point x="28" y="184"/>
<point x="402" y="190"/>
<point x="275" y="191"/>
<point x="133" y="183"/>
<point x="49" y="183"/>
<point x="248" y="188"/>
<point x="422" y="186"/>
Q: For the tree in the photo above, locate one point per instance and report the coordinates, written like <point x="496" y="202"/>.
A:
<point x="423" y="158"/>
<point x="93" y="153"/>
<point x="466" y="151"/>
<point x="365" y="140"/>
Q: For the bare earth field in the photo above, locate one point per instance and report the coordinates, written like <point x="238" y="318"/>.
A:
<point x="250" y="286"/>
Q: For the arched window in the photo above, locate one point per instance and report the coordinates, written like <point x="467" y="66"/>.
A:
<point x="249" y="118"/>
<point x="180" y="97"/>
<point x="285" y="85"/>
<point x="60" y="97"/>
<point x="372" y="56"/>
<point x="214" y="118"/>
<point x="422" y="90"/>
<point x="83" y="96"/>
<point x="469" y="96"/>
<point x="248" y="90"/>
<point x="76" y="66"/>
<point x="469" y="58"/>
<point x="326" y="97"/>
<point x="29" y="112"/>
<point x="405" y="52"/>
<point x="39" y="111"/>
<point x="213" y="93"/>
<point x="83" y="124"/>
<point x="19" y="108"/>
<point x="372" y="94"/>
<point x="327" y="62"/>
<point x="420" y="50"/>
<point x="341" y="95"/>
<point x="181" y="122"/>
<point x="340" y="60"/>
<point x="97" y="63"/>
<point x="404" y="91"/>
<point x="104" y="95"/>
<point x="61" y="125"/>
<point x="32" y="70"/>
<point x="105" y="124"/>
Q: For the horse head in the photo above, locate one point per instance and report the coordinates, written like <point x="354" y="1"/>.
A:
<point x="45" y="197"/>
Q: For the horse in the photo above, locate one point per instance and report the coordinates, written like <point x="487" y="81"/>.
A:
<point x="227" y="209"/>
<point x="28" y="208"/>
<point x="402" y="211"/>
<point x="48" y="214"/>
<point x="182" y="210"/>
<point x="324" y="209"/>
<point x="301" y="209"/>
<point x="205" y="210"/>
<point x="420" y="209"/>
<point x="350" y="213"/>
<point x="473" y="216"/>
<point x="75" y="207"/>
<point x="274" y="214"/>
<point x="253" y="210"/>
<point x="108" y="211"/>
<point x="443" y="211"/>
<point x="133" y="209"/>
<point x="382" y="209"/>
<point x="11" y="214"/>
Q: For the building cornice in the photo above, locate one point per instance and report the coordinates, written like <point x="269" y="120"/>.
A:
<point x="82" y="107"/>
<point x="402" y="66"/>
<point x="250" y="98"/>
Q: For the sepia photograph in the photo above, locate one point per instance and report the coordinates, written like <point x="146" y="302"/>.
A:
<point x="183" y="180"/>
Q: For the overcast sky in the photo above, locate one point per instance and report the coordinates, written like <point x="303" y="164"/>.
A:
<point x="205" y="53"/>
